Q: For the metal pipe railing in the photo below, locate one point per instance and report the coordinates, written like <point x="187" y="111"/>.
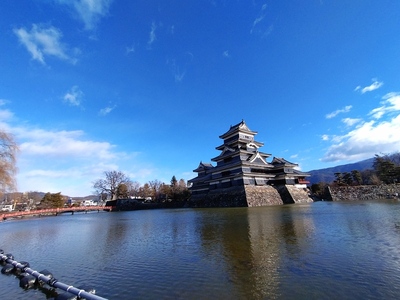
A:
<point x="50" y="280"/>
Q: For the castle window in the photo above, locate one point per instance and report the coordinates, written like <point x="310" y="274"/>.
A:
<point x="228" y="159"/>
<point x="226" y="173"/>
<point x="262" y="171"/>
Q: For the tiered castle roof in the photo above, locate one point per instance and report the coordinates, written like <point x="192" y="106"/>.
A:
<point x="240" y="163"/>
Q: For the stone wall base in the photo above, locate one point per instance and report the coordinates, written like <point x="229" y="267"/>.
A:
<point x="228" y="197"/>
<point x="299" y="195"/>
<point x="262" y="195"/>
<point x="251" y="196"/>
<point x="363" y="192"/>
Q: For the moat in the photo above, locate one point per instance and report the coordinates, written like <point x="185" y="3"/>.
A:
<point x="321" y="250"/>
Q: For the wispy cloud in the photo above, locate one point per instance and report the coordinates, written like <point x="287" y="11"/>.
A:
<point x="42" y="41"/>
<point x="350" y="121"/>
<point x="260" y="17"/>
<point x="179" y="68"/>
<point x="105" y="111"/>
<point x="390" y="103"/>
<point x="3" y="101"/>
<point x="130" y="49"/>
<point x="74" y="96"/>
<point x="258" y="26"/>
<point x="374" y="86"/>
<point x="177" y="71"/>
<point x="226" y="54"/>
<point x="152" y="34"/>
<point x="339" y="111"/>
<point x="89" y="11"/>
<point x="371" y="136"/>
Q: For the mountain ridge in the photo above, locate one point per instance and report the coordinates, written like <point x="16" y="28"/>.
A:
<point x="328" y="174"/>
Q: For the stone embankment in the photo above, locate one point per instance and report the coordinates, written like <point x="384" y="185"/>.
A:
<point x="262" y="196"/>
<point x="363" y="192"/>
<point x="297" y="195"/>
<point x="251" y="196"/>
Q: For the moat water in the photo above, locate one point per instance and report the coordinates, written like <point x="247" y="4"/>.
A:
<point x="320" y="250"/>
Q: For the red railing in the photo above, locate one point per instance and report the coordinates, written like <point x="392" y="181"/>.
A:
<point x="303" y="181"/>
<point x="48" y="211"/>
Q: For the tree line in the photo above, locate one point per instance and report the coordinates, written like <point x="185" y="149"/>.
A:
<point x="385" y="170"/>
<point x="117" y="185"/>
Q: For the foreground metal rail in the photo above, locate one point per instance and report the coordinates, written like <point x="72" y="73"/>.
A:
<point x="50" y="280"/>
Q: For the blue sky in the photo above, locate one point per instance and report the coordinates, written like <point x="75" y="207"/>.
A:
<point x="146" y="87"/>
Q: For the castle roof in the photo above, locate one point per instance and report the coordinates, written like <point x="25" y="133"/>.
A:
<point x="242" y="127"/>
<point x="251" y="144"/>
<point x="203" y="166"/>
<point x="300" y="173"/>
<point x="283" y="162"/>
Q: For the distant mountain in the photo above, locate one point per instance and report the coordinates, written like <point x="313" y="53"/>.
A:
<point x="328" y="175"/>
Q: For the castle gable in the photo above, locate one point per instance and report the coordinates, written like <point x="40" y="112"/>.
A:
<point x="257" y="158"/>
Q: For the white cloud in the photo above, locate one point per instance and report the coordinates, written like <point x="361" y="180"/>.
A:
<point x="61" y="144"/>
<point x="105" y="111"/>
<point x="226" y="54"/>
<point x="74" y="96"/>
<point x="367" y="140"/>
<point x="89" y="11"/>
<point x="390" y="104"/>
<point x="325" y="137"/>
<point x="64" y="161"/>
<point x="61" y="161"/>
<point x="350" y="121"/>
<point x="5" y="114"/>
<point x="42" y="41"/>
<point x="3" y="102"/>
<point x="380" y="135"/>
<point x="374" y="86"/>
<point x="335" y="113"/>
<point x="67" y="161"/>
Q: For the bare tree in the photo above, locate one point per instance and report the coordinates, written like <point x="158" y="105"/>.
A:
<point x="145" y="191"/>
<point x="8" y="151"/>
<point x="182" y="184"/>
<point x="155" y="186"/>
<point x="134" y="189"/>
<point x="111" y="182"/>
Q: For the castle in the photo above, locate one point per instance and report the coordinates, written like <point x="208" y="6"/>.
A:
<point x="243" y="177"/>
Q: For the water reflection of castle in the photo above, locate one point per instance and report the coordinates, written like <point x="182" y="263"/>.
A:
<point x="255" y="247"/>
<point x="243" y="177"/>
